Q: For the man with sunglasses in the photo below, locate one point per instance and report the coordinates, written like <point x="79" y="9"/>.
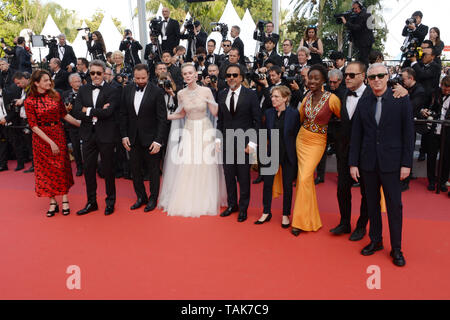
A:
<point x="381" y="152"/>
<point x="238" y="110"/>
<point x="95" y="106"/>
<point x="428" y="72"/>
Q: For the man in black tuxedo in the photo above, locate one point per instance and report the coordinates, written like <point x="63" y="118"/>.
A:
<point x="233" y="58"/>
<point x="60" y="77"/>
<point x="288" y="58"/>
<point x="238" y="109"/>
<point x="417" y="29"/>
<point x="362" y="36"/>
<point x="237" y="43"/>
<point x="64" y="53"/>
<point x="428" y="72"/>
<point x="175" y="72"/>
<point x="382" y="146"/>
<point x="95" y="106"/>
<point x="356" y="89"/>
<point x="212" y="80"/>
<point x="272" y="54"/>
<point x="170" y="31"/>
<point x="198" y="40"/>
<point x="131" y="48"/>
<point x="268" y="34"/>
<point x="144" y="129"/>
<point x="6" y="73"/>
<point x="83" y="70"/>
<point x="211" y="57"/>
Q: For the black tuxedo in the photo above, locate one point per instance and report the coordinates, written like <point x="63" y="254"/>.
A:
<point x="148" y="126"/>
<point x="61" y="80"/>
<point x="172" y="34"/>
<point x="199" y="40"/>
<point x="345" y="181"/>
<point x="98" y="138"/>
<point x="213" y="59"/>
<point x="264" y="36"/>
<point x="247" y="116"/>
<point x="24" y="60"/>
<point x="6" y="78"/>
<point x="361" y="35"/>
<point x="380" y="151"/>
<point x="275" y="58"/>
<point x="289" y="60"/>
<point x="69" y="56"/>
<point x="288" y="125"/>
<point x="237" y="43"/>
<point x="131" y="52"/>
<point x="428" y="76"/>
<point x="74" y="133"/>
<point x="420" y="33"/>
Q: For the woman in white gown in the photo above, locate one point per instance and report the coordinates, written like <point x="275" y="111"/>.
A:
<point x="193" y="183"/>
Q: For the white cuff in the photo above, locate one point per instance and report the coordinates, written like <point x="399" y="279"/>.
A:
<point x="88" y="112"/>
<point x="159" y="145"/>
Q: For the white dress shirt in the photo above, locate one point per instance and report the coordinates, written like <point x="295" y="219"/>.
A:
<point x="61" y="51"/>
<point x="138" y="96"/>
<point x="445" y="106"/>
<point x="2" y="106"/>
<point x="352" y="101"/>
<point x="95" y="94"/>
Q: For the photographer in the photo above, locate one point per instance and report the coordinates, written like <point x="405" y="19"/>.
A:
<point x="288" y="57"/>
<point x="59" y="76"/>
<point x="10" y="53"/>
<point x="151" y="54"/>
<point x="174" y="71"/>
<point x="166" y="83"/>
<point x="414" y="27"/>
<point x="233" y="58"/>
<point x="268" y="53"/>
<point x="439" y="110"/>
<point x="6" y="74"/>
<point x="196" y="38"/>
<point x="212" y="80"/>
<point x="98" y="49"/>
<point x="313" y="43"/>
<point x="23" y="56"/>
<point x="237" y="43"/>
<point x="83" y="71"/>
<point x="211" y="57"/>
<point x="428" y="72"/>
<point x="261" y="36"/>
<point x="226" y="47"/>
<point x="63" y="52"/>
<point x="131" y="48"/>
<point x="68" y="98"/>
<point x="338" y="60"/>
<point x="362" y="37"/>
<point x="200" y="62"/>
<point x="170" y="31"/>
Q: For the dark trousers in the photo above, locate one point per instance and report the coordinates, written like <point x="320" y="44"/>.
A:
<point x="91" y="149"/>
<point x="120" y="157"/>
<point x="434" y="146"/>
<point x="74" y="134"/>
<point x="17" y="139"/>
<point x="344" y="193"/>
<point x="3" y="147"/>
<point x="288" y="174"/>
<point x="138" y="155"/>
<point x="363" y="54"/>
<point x="390" y="181"/>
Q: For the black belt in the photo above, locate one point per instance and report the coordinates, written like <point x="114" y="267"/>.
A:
<point x="48" y="124"/>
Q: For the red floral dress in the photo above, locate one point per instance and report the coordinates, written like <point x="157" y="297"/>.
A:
<point x="53" y="173"/>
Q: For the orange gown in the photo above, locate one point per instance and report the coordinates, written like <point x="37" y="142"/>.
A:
<point x="311" y="143"/>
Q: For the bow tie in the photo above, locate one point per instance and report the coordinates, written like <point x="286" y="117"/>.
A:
<point x="94" y="87"/>
<point x="352" y="93"/>
<point x="139" y="89"/>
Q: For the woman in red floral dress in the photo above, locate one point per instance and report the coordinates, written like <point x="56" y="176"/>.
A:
<point x="45" y="110"/>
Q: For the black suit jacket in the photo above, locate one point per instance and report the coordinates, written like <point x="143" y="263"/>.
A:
<point x="420" y="33"/>
<point x="428" y="76"/>
<point x="61" y="81"/>
<point x="293" y="59"/>
<point x="151" y="123"/>
<point x="362" y="36"/>
<point x="9" y="94"/>
<point x="68" y="57"/>
<point x="23" y="60"/>
<point x="240" y="46"/>
<point x="217" y="60"/>
<point x="131" y="52"/>
<point x="247" y="116"/>
<point x="106" y="126"/>
<point x="64" y="95"/>
<point x="6" y="78"/>
<point x="173" y="35"/>
<point x="274" y="36"/>
<point x="391" y="143"/>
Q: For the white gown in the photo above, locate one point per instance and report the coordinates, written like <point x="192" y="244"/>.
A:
<point x="193" y="183"/>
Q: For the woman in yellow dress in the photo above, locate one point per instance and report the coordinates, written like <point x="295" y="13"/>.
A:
<point x="315" y="113"/>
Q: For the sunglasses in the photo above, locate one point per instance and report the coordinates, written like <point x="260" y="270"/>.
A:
<point x="311" y="26"/>
<point x="98" y="73"/>
<point x="379" y="76"/>
<point x="227" y="45"/>
<point x="234" y="75"/>
<point x="351" y="75"/>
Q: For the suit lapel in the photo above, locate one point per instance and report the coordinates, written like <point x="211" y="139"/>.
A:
<point x="344" y="110"/>
<point x="132" y="94"/>
<point x="145" y="97"/>
<point x="225" y="102"/>
<point x="239" y="104"/>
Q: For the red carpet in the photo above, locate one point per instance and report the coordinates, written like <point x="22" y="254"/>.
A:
<point x="152" y="256"/>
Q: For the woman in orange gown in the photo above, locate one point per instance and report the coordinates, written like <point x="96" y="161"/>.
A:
<point x="315" y="113"/>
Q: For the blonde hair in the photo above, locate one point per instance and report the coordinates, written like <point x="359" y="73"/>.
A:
<point x="117" y="53"/>
<point x="284" y="91"/>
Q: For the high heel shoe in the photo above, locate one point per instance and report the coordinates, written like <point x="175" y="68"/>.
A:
<point x="65" y="212"/>
<point x="296" y="231"/>
<point x="285" y="226"/>
<point x="56" y="210"/>
<point x="266" y="220"/>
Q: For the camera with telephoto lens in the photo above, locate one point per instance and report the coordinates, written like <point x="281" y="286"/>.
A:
<point x="165" y="84"/>
<point x="347" y="15"/>
<point x="156" y="27"/>
<point x="70" y="99"/>
<point x="411" y="48"/>
<point x="395" y="81"/>
<point x="200" y="58"/>
<point x="50" y="41"/>
<point x="255" y="77"/>
<point x="213" y="78"/>
<point x="263" y="54"/>
<point x="292" y="74"/>
<point x="409" y="22"/>
<point x="220" y="27"/>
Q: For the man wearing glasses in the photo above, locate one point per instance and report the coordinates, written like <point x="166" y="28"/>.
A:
<point x="381" y="152"/>
<point x="94" y="106"/>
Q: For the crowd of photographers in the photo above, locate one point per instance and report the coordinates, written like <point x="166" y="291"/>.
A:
<point x="420" y="73"/>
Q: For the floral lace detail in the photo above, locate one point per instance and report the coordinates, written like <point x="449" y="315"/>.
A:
<point x="312" y="112"/>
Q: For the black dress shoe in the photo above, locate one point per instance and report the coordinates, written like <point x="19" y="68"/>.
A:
<point x="242" y="216"/>
<point x="341" y="229"/>
<point x="5" y="168"/>
<point x="443" y="188"/>
<point x="19" y="167"/>
<point x="372" y="248"/>
<point x="258" y="180"/>
<point x="229" y="211"/>
<point x="31" y="169"/>
<point x="266" y="220"/>
<point x="79" y="172"/>
<point x="358" y="234"/>
<point x="296" y="231"/>
<point x="398" y="258"/>
<point x="88" y="208"/>
<point x="109" y="210"/>
<point x="431" y="187"/>
<point x="285" y="226"/>
<point x="404" y="187"/>
<point x="319" y="180"/>
<point x="139" y="203"/>
<point x="151" y="205"/>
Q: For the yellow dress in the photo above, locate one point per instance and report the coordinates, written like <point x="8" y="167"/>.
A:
<point x="311" y="143"/>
